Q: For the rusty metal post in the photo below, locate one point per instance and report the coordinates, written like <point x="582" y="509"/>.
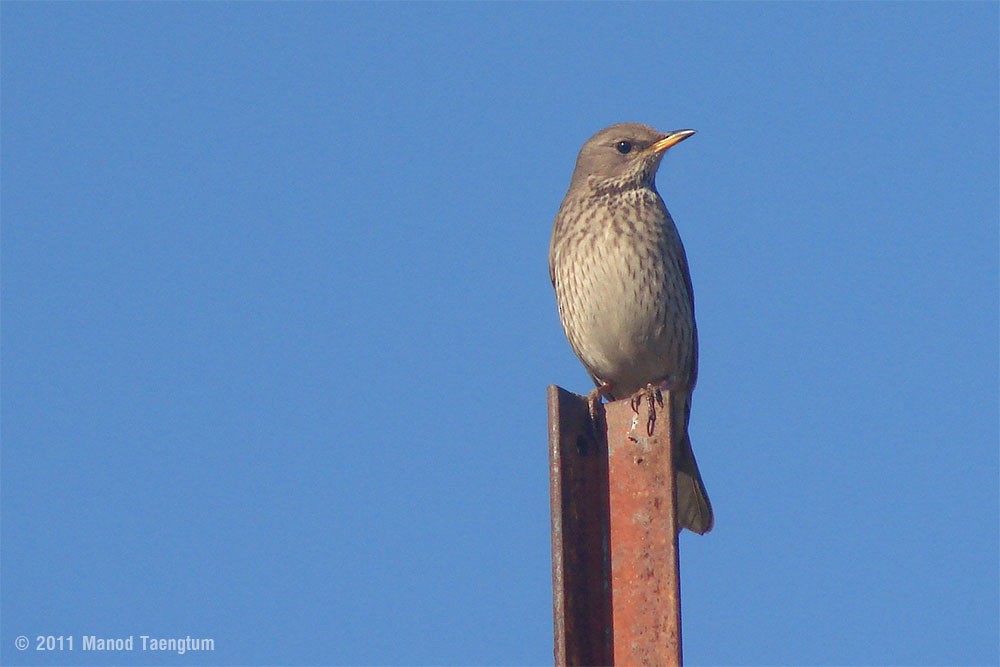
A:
<point x="615" y="567"/>
<point x="581" y="533"/>
<point x="645" y="567"/>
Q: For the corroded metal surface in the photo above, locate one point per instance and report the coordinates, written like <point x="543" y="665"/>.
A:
<point x="580" y="534"/>
<point x="616" y="589"/>
<point x="644" y="557"/>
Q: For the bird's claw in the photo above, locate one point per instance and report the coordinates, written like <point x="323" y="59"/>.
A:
<point x="594" y="399"/>
<point x="654" y="397"/>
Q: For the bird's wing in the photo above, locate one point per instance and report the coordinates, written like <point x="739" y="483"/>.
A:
<point x="694" y="320"/>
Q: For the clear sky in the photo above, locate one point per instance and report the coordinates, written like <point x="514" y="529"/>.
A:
<point x="277" y="323"/>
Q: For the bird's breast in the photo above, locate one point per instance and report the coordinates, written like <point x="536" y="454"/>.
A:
<point x="622" y="292"/>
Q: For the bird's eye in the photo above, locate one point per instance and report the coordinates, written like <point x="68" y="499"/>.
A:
<point x="624" y="147"/>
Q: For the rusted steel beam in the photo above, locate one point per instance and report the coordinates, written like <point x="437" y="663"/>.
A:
<point x="615" y="567"/>
<point x="581" y="534"/>
<point x="645" y="568"/>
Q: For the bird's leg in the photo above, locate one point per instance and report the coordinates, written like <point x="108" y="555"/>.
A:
<point x="594" y="397"/>
<point x="653" y="393"/>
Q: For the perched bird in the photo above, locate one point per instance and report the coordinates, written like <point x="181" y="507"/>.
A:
<point x="624" y="290"/>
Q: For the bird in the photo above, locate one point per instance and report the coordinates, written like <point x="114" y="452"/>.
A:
<point x="623" y="288"/>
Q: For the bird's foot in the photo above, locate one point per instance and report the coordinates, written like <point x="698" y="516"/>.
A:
<point x="594" y="399"/>
<point x="653" y="395"/>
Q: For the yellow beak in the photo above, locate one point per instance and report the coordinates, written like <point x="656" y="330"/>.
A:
<point x="671" y="139"/>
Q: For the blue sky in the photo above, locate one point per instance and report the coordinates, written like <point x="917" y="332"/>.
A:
<point x="277" y="323"/>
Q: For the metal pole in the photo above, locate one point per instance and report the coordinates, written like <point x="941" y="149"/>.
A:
<point x="615" y="568"/>
<point x="581" y="537"/>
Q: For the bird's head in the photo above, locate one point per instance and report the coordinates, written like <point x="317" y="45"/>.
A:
<point x="623" y="157"/>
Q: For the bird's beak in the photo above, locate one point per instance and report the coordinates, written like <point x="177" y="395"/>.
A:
<point x="675" y="137"/>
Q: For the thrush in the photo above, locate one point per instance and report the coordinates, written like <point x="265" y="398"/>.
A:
<point x="624" y="289"/>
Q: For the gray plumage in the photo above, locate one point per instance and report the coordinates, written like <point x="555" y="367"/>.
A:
<point x="623" y="287"/>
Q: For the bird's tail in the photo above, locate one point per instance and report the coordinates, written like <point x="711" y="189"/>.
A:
<point x="694" y="511"/>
